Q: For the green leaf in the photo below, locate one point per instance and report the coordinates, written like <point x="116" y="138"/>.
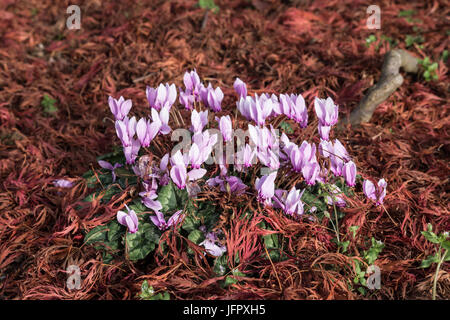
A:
<point x="229" y="280"/>
<point x="406" y="13"/>
<point x="190" y="224"/>
<point x="107" y="238"/>
<point x="141" y="243"/>
<point x="205" y="214"/>
<point x="286" y="127"/>
<point x="196" y="236"/>
<point x="146" y="291"/>
<point x="447" y="256"/>
<point x="115" y="232"/>
<point x="117" y="151"/>
<point x="446" y="245"/>
<point x="167" y="198"/>
<point x="137" y="206"/>
<point x="430" y="236"/>
<point x="362" y="290"/>
<point x="371" y="255"/>
<point x="49" y="104"/>
<point x="98" y="234"/>
<point x="353" y="230"/>
<point x="91" y="179"/>
<point x="208" y="4"/>
<point x="272" y="245"/>
<point x="221" y="265"/>
<point x="429" y="261"/>
<point x="344" y="245"/>
<point x="433" y="66"/>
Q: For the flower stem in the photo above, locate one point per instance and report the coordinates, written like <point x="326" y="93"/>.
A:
<point x="437" y="273"/>
<point x="337" y="223"/>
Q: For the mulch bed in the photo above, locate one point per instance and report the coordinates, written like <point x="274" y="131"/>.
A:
<point x="313" y="48"/>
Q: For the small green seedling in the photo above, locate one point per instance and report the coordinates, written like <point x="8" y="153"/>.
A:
<point x="408" y="15"/>
<point x="430" y="68"/>
<point x="208" y="5"/>
<point x="370" y="39"/>
<point x="49" y="105"/>
<point x="411" y="40"/>
<point x="444" y="56"/>
<point x="369" y="256"/>
<point x="384" y="39"/>
<point x="147" y="293"/>
<point x="441" y="255"/>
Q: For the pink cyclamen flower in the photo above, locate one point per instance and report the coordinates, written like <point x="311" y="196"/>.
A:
<point x="125" y="130"/>
<point x="260" y="109"/>
<point x="205" y="143"/>
<point x="192" y="83"/>
<point x="226" y="127"/>
<point x="212" y="246"/>
<point x="266" y="187"/>
<point x="324" y="131"/>
<point x="212" y="98"/>
<point x="326" y="111"/>
<point x="119" y="108"/>
<point x="149" y="195"/>
<point x="195" y="156"/>
<point x="130" y="220"/>
<point x="146" y="131"/>
<point x="243" y="105"/>
<point x="109" y="166"/>
<point x="269" y="158"/>
<point x="161" y="223"/>
<point x="163" y="96"/>
<point x="162" y="119"/>
<point x="245" y="156"/>
<point x="163" y="172"/>
<point x="286" y="147"/>
<point x="178" y="173"/>
<point x="63" y="183"/>
<point x="350" y="173"/>
<point x="294" y="107"/>
<point x="229" y="184"/>
<point x="340" y="151"/>
<point x="198" y="120"/>
<point x="187" y="99"/>
<point x="264" y="138"/>
<point x="338" y="157"/>
<point x="335" y="196"/>
<point x="303" y="155"/>
<point x="131" y="152"/>
<point x="289" y="202"/>
<point x="240" y="87"/>
<point x="375" y="193"/>
<point x="310" y="172"/>
<point x="325" y="148"/>
<point x="299" y="111"/>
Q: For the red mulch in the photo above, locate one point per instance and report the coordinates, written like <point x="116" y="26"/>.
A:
<point x="314" y="48"/>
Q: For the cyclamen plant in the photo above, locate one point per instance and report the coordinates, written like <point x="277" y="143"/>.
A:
<point x="167" y="188"/>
